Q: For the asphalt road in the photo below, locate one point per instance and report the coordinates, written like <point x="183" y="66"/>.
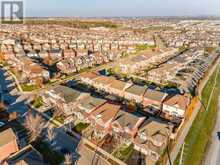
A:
<point x="11" y="96"/>
<point x="17" y="102"/>
<point x="213" y="155"/>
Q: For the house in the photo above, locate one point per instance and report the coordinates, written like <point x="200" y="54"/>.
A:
<point x="63" y="98"/>
<point x="7" y="56"/>
<point x="135" y="92"/>
<point x="153" y="99"/>
<point x="152" y="137"/>
<point x="43" y="54"/>
<point x="26" y="156"/>
<point x="89" y="77"/>
<point x="176" y="105"/>
<point x="67" y="53"/>
<point x="104" y="115"/>
<point x="55" y="54"/>
<point x="37" y="46"/>
<point x="87" y="106"/>
<point x="8" y="143"/>
<point x="67" y="66"/>
<point x="33" y="54"/>
<point x="118" y="87"/>
<point x="102" y="83"/>
<point x="126" y="124"/>
<point x="33" y="72"/>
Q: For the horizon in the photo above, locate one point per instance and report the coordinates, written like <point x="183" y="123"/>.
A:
<point x="121" y="8"/>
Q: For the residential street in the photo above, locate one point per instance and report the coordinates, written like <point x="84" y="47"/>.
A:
<point x="18" y="103"/>
<point x="11" y="96"/>
<point x="213" y="155"/>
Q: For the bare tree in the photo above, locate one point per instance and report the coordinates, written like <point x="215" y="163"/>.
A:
<point x="68" y="159"/>
<point x="57" y="112"/>
<point x="35" y="125"/>
<point x="51" y="134"/>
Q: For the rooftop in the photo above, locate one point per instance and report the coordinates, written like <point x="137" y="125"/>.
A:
<point x="67" y="93"/>
<point x="155" y="95"/>
<point x="137" y="90"/>
<point x="7" y="136"/>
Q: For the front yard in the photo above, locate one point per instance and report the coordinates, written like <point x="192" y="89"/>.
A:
<point x="123" y="152"/>
<point x="28" y="88"/>
<point x="38" y="102"/>
<point x="80" y="127"/>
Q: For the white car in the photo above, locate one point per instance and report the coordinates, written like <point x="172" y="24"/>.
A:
<point x="2" y="124"/>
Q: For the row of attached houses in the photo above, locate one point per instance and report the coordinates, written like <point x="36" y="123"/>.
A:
<point x="142" y="62"/>
<point x="76" y="63"/>
<point x="29" y="71"/>
<point x="149" y="98"/>
<point x="149" y="135"/>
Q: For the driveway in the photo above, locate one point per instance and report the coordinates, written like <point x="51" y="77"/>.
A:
<point x="11" y="96"/>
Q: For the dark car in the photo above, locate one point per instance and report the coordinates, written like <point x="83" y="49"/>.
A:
<point x="218" y="134"/>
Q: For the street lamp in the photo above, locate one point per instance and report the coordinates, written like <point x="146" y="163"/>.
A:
<point x="168" y="143"/>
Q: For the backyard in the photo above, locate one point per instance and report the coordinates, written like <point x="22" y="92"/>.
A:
<point x="28" y="88"/>
<point x="123" y="152"/>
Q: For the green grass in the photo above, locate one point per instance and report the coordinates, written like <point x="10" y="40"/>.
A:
<point x="200" y="132"/>
<point x="142" y="47"/>
<point x="60" y="119"/>
<point x="28" y="88"/>
<point x="38" y="102"/>
<point x="123" y="152"/>
<point x="84" y="24"/>
<point x="80" y="127"/>
<point x="49" y="155"/>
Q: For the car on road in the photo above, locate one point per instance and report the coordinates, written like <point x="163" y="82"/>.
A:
<point x="218" y="134"/>
<point x="2" y="124"/>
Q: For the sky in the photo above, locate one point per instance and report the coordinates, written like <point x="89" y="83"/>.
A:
<point x="99" y="8"/>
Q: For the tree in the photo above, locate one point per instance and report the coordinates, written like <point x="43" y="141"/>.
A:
<point x="51" y="134"/>
<point x="35" y="125"/>
<point x="68" y="159"/>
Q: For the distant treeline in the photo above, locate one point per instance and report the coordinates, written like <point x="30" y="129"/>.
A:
<point x="72" y="23"/>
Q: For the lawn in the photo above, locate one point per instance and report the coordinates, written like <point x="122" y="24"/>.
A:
<point x="142" y="47"/>
<point x="123" y="152"/>
<point x="28" y="88"/>
<point x="60" y="119"/>
<point x="198" y="137"/>
<point x="80" y="127"/>
<point x="38" y="102"/>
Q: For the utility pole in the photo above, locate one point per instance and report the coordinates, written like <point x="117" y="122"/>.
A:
<point x="181" y="156"/>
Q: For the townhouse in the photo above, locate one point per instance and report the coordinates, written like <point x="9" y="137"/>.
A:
<point x="152" y="137"/>
<point x="135" y="93"/>
<point x="153" y="99"/>
<point x="126" y="124"/>
<point x="176" y="106"/>
<point x="87" y="106"/>
<point x="64" y="98"/>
